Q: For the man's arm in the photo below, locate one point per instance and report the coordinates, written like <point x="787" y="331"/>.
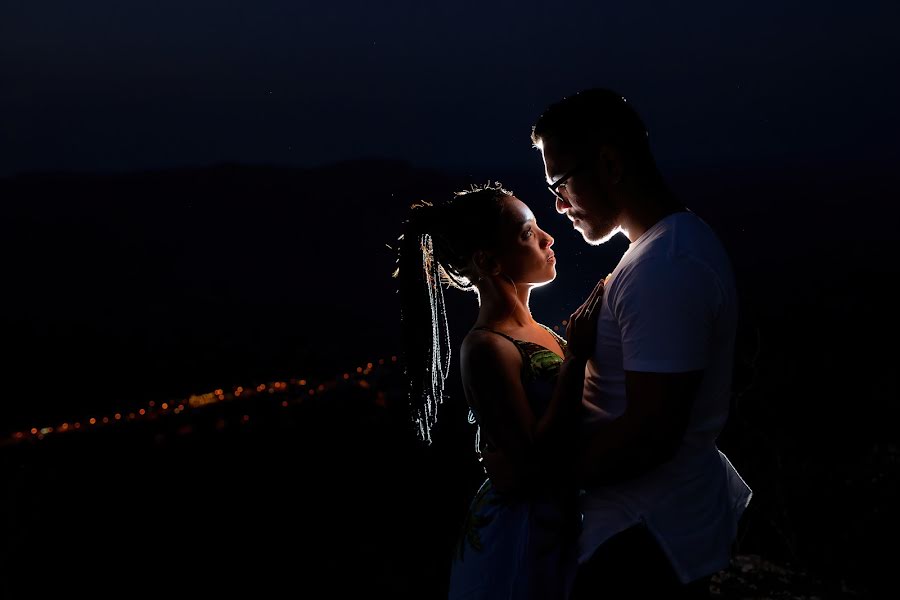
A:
<point x="647" y="434"/>
<point x="665" y="309"/>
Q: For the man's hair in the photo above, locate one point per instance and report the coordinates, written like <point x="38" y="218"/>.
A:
<point x="579" y="124"/>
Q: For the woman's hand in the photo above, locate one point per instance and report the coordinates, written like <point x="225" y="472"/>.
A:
<point x="581" y="330"/>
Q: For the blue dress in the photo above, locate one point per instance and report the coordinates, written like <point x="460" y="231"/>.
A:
<point x="522" y="547"/>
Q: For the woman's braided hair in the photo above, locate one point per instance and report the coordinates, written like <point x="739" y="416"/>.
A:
<point x="438" y="241"/>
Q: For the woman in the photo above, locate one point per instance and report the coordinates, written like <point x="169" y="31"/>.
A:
<point x="523" y="384"/>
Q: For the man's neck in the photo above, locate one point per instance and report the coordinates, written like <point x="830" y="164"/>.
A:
<point x="647" y="208"/>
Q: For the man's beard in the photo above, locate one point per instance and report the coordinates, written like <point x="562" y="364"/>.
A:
<point x="599" y="233"/>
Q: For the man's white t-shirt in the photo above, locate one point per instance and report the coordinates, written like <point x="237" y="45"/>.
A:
<point x="670" y="306"/>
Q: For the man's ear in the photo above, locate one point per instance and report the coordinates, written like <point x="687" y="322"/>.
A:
<point x="612" y="163"/>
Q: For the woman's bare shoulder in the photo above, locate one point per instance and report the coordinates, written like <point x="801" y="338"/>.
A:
<point x="483" y="342"/>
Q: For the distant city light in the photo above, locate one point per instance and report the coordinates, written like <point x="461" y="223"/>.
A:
<point x="219" y="394"/>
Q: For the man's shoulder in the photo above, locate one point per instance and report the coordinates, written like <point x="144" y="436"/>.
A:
<point x="683" y="230"/>
<point x="692" y="235"/>
<point x="685" y="242"/>
<point x="664" y="269"/>
<point x="680" y="248"/>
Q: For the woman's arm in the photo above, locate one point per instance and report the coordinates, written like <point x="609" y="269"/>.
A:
<point x="537" y="447"/>
<point x="491" y="373"/>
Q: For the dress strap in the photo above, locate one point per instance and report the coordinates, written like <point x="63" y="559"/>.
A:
<point x="516" y="343"/>
<point x="500" y="333"/>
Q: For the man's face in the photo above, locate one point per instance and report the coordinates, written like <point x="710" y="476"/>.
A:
<point x="587" y="201"/>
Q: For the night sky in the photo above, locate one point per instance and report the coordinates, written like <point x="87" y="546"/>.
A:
<point x="104" y="85"/>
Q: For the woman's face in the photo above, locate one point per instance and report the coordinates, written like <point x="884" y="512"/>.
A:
<point x="524" y="254"/>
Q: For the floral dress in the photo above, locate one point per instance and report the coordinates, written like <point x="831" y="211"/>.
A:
<point x="522" y="547"/>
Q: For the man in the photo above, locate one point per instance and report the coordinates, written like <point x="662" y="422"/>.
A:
<point x="660" y="503"/>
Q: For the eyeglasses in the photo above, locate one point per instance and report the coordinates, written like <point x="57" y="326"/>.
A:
<point x="559" y="188"/>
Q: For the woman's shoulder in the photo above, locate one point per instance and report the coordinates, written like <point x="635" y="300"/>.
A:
<point x="489" y="359"/>
<point x="487" y="345"/>
<point x="486" y="339"/>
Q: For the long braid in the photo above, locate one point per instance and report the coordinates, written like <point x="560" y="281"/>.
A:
<point x="437" y="357"/>
<point x="424" y="319"/>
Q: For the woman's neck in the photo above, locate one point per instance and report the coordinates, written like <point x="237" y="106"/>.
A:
<point x="504" y="306"/>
